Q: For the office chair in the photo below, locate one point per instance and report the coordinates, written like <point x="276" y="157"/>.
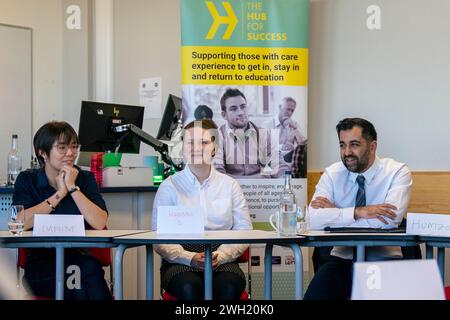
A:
<point x="103" y="255"/>
<point x="246" y="294"/>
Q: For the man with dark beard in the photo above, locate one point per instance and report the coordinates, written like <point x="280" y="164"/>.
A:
<point x="361" y="191"/>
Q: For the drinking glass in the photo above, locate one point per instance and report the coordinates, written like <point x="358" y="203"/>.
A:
<point x="302" y="224"/>
<point x="16" y="220"/>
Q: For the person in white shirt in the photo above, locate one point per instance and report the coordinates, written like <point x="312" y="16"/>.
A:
<point x="245" y="150"/>
<point x="361" y="191"/>
<point x="289" y="130"/>
<point x="225" y="208"/>
<point x="290" y="137"/>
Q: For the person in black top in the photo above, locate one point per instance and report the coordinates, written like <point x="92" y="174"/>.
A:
<point x="60" y="187"/>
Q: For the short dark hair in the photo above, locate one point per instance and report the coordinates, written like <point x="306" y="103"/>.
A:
<point x="230" y="93"/>
<point x="203" y="112"/>
<point x="205" y="124"/>
<point x="50" y="132"/>
<point x="368" y="130"/>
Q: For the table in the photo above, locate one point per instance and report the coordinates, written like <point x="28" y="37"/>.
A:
<point x="440" y="243"/>
<point x="208" y="238"/>
<point x="93" y="238"/>
<point x="358" y="240"/>
<point x="124" y="239"/>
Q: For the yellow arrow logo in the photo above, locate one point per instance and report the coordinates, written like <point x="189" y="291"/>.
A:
<point x="230" y="20"/>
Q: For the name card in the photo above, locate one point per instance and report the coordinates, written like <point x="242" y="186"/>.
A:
<point x="425" y="224"/>
<point x="58" y="225"/>
<point x="180" y="219"/>
<point x="397" y="280"/>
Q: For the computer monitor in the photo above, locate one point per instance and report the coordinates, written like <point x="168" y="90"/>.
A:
<point x="97" y="120"/>
<point x="171" y="118"/>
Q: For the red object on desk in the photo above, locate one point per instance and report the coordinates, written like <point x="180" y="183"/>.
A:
<point x="97" y="168"/>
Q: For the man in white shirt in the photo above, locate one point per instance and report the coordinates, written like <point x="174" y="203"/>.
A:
<point x="290" y="137"/>
<point x="245" y="149"/>
<point x="361" y="191"/>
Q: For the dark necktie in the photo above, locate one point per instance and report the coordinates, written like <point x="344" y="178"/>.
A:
<point x="360" y="200"/>
<point x="361" y="194"/>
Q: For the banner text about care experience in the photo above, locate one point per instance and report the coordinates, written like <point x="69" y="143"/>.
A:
<point x="247" y="66"/>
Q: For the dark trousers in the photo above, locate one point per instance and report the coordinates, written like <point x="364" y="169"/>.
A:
<point x="40" y="276"/>
<point x="190" y="286"/>
<point x="333" y="280"/>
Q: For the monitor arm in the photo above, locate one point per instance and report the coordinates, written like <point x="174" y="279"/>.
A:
<point x="160" y="147"/>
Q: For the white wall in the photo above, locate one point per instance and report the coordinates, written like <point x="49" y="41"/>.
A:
<point x="76" y="67"/>
<point x="396" y="77"/>
<point x="146" y="44"/>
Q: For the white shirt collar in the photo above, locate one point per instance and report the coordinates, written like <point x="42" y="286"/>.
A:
<point x="368" y="174"/>
<point x="189" y="176"/>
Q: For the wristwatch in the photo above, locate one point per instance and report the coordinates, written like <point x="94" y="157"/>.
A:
<point x="73" y="189"/>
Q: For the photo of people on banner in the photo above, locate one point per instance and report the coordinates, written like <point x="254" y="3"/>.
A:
<point x="262" y="129"/>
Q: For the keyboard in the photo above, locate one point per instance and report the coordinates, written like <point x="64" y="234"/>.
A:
<point x="363" y="230"/>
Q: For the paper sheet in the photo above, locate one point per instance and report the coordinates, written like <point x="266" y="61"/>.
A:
<point x="150" y="97"/>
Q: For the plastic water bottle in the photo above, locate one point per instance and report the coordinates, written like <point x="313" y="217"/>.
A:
<point x="288" y="209"/>
<point x="14" y="161"/>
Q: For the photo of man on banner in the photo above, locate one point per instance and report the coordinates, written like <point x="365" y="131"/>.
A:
<point x="252" y="141"/>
